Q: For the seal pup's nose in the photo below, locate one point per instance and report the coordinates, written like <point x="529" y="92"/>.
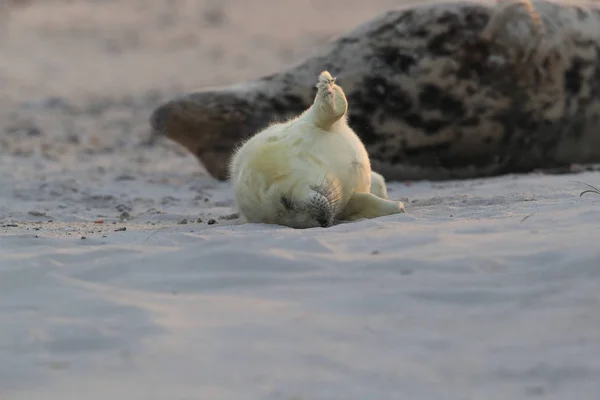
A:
<point x="323" y="222"/>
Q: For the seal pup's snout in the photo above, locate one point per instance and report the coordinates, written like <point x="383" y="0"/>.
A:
<point x="309" y="211"/>
<point x="321" y="208"/>
<point x="324" y="222"/>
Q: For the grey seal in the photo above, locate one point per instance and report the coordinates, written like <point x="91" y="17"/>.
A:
<point x="444" y="90"/>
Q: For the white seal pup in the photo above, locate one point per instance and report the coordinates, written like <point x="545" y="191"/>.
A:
<point x="309" y="171"/>
<point x="439" y="90"/>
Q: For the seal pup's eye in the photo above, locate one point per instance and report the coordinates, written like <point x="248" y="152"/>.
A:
<point x="286" y="202"/>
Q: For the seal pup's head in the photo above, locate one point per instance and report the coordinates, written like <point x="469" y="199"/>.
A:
<point x="290" y="203"/>
<point x="275" y="183"/>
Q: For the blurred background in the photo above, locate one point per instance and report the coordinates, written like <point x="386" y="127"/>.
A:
<point x="85" y="74"/>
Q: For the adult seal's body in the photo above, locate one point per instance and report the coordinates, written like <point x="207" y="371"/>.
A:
<point x="442" y="90"/>
<point x="309" y="171"/>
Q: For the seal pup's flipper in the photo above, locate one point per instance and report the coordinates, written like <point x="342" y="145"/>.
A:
<point x="330" y="104"/>
<point x="367" y="205"/>
<point x="378" y="186"/>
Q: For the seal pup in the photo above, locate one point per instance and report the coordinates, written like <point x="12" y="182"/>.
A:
<point x="444" y="90"/>
<point x="310" y="170"/>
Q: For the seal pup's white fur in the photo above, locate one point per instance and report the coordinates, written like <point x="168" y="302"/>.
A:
<point x="310" y="170"/>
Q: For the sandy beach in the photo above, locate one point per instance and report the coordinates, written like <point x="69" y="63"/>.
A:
<point x="125" y="272"/>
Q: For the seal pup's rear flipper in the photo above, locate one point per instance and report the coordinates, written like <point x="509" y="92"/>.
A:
<point x="330" y="104"/>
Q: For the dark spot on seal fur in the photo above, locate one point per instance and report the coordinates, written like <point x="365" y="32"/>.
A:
<point x="443" y="43"/>
<point x="379" y="94"/>
<point x="433" y="98"/>
<point x="476" y="19"/>
<point x="393" y="98"/>
<point x="421" y="33"/>
<point x="573" y="76"/>
<point x="396" y="60"/>
<point x="472" y="121"/>
<point x="429" y="126"/>
<point x="438" y="44"/>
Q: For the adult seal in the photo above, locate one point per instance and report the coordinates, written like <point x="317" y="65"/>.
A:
<point x="309" y="171"/>
<point x="440" y="90"/>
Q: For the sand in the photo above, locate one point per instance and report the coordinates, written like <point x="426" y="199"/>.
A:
<point x="125" y="274"/>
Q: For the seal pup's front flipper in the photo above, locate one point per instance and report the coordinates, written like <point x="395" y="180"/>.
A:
<point x="367" y="205"/>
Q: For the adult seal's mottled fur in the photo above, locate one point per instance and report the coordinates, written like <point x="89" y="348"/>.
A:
<point x="309" y="171"/>
<point x="440" y="90"/>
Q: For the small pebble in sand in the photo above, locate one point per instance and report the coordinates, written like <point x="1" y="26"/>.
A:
<point x="211" y="221"/>
<point x="123" y="229"/>
<point x="124" y="215"/>
<point x="199" y="220"/>
<point x="375" y="252"/>
<point x="83" y="237"/>
<point x="37" y="213"/>
<point x="182" y="221"/>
